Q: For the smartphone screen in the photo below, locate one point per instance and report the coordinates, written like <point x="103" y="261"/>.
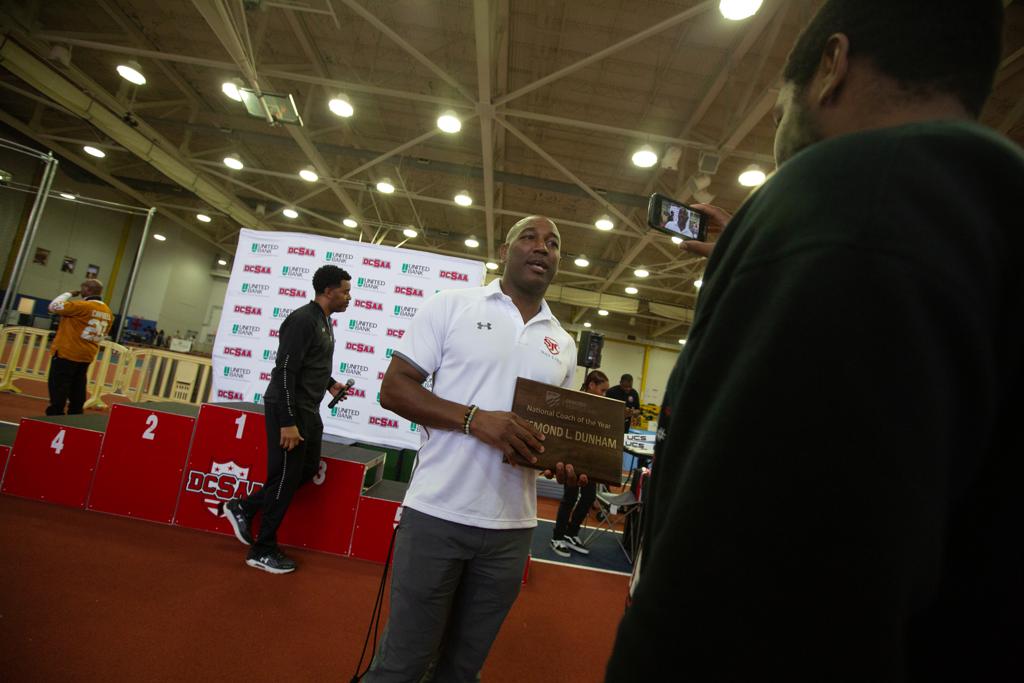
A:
<point x="676" y="218"/>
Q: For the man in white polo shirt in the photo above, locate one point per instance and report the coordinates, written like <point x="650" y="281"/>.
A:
<point x="469" y="514"/>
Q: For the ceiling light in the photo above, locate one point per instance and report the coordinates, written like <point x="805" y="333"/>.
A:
<point x="752" y="176"/>
<point x="410" y="233"/>
<point x="631" y="290"/>
<point x="290" y="213"/>
<point x="463" y="198"/>
<point x="698" y="283"/>
<point x="449" y="122"/>
<point x="234" y="161"/>
<point x="604" y="223"/>
<point x="384" y="185"/>
<point x="350" y="223"/>
<point x="472" y="242"/>
<point x="230" y="88"/>
<point x="677" y="240"/>
<point x="94" y="151"/>
<point x="158" y="237"/>
<point x="309" y="175"/>
<point x="221" y="262"/>
<point x="340" y="106"/>
<point x="645" y="157"/>
<point x="581" y="261"/>
<point x="738" y="9"/>
<point x="67" y="195"/>
<point x="587" y="325"/>
<point x="203" y="218"/>
<point x="640" y="272"/>
<point x="491" y="265"/>
<point x="131" y="72"/>
<point x="601" y="311"/>
<point x="682" y="341"/>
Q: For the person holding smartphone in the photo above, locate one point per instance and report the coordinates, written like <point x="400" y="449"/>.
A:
<point x="835" y="493"/>
<point x="577" y="500"/>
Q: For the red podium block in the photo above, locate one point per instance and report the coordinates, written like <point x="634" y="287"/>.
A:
<point x="8" y="431"/>
<point x="142" y="459"/>
<point x="376" y="519"/>
<point x="53" y="458"/>
<point x="228" y="460"/>
<point x="323" y="511"/>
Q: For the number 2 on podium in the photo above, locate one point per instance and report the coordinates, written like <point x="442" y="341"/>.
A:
<point x="241" y="426"/>
<point x="151" y="422"/>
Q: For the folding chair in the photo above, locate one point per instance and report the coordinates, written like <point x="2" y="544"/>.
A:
<point x="617" y="507"/>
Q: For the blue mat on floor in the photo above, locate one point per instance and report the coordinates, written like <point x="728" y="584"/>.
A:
<point x="605" y="552"/>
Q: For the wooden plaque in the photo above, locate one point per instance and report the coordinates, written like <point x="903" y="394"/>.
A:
<point x="583" y="430"/>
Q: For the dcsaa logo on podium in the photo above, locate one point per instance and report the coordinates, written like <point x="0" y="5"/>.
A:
<point x="224" y="481"/>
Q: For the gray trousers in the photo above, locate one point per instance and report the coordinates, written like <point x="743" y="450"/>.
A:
<point x="451" y="587"/>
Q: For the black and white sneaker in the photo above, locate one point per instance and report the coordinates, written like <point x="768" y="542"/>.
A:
<point x="560" y="548"/>
<point x="274" y="562"/>
<point x="576" y="544"/>
<point x="239" y="522"/>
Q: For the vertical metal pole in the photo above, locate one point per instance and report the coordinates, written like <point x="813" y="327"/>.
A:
<point x="14" y="283"/>
<point x="130" y="288"/>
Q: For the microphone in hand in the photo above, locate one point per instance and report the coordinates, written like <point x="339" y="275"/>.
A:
<point x="341" y="394"/>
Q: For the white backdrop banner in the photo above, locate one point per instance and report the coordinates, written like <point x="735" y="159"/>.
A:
<point x="273" y="274"/>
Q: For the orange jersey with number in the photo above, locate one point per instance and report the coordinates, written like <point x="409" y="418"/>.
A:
<point x="83" y="325"/>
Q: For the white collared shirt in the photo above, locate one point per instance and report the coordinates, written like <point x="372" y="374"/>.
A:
<point x="475" y="344"/>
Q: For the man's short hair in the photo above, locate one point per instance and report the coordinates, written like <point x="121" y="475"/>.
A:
<point x="328" y="276"/>
<point x="523" y="224"/>
<point x="626" y="378"/>
<point x="938" y="46"/>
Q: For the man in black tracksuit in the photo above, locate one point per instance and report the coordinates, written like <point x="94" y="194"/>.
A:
<point x="301" y="375"/>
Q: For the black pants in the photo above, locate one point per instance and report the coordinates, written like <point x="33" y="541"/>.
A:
<point x="286" y="472"/>
<point x="570" y="526"/>
<point x="67" y="381"/>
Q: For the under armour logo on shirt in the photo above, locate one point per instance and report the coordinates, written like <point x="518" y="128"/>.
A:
<point x="481" y="326"/>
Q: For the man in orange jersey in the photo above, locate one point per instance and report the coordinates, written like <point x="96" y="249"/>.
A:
<point x="83" y="326"/>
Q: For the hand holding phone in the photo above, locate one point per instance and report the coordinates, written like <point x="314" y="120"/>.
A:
<point x="718" y="219"/>
<point x="677" y="219"/>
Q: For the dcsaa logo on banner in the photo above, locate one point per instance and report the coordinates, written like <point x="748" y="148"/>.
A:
<point x="273" y="275"/>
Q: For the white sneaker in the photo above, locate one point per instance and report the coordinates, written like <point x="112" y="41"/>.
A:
<point x="576" y="544"/>
<point x="560" y="548"/>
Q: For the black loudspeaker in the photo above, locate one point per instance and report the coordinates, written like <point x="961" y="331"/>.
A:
<point x="588" y="354"/>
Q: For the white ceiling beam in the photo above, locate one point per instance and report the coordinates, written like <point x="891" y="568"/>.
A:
<point x="88" y="101"/>
<point x="482" y="33"/>
<point x="732" y="60"/>
<point x="405" y="45"/>
<point x="598" y="56"/>
<point x="746" y="42"/>
<point x="214" y="14"/>
<point x="390" y="153"/>
<point x="126" y="25"/>
<point x="100" y="173"/>
<point x="272" y="73"/>
<point x="234" y="180"/>
<point x="645" y="234"/>
<point x="625" y="132"/>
